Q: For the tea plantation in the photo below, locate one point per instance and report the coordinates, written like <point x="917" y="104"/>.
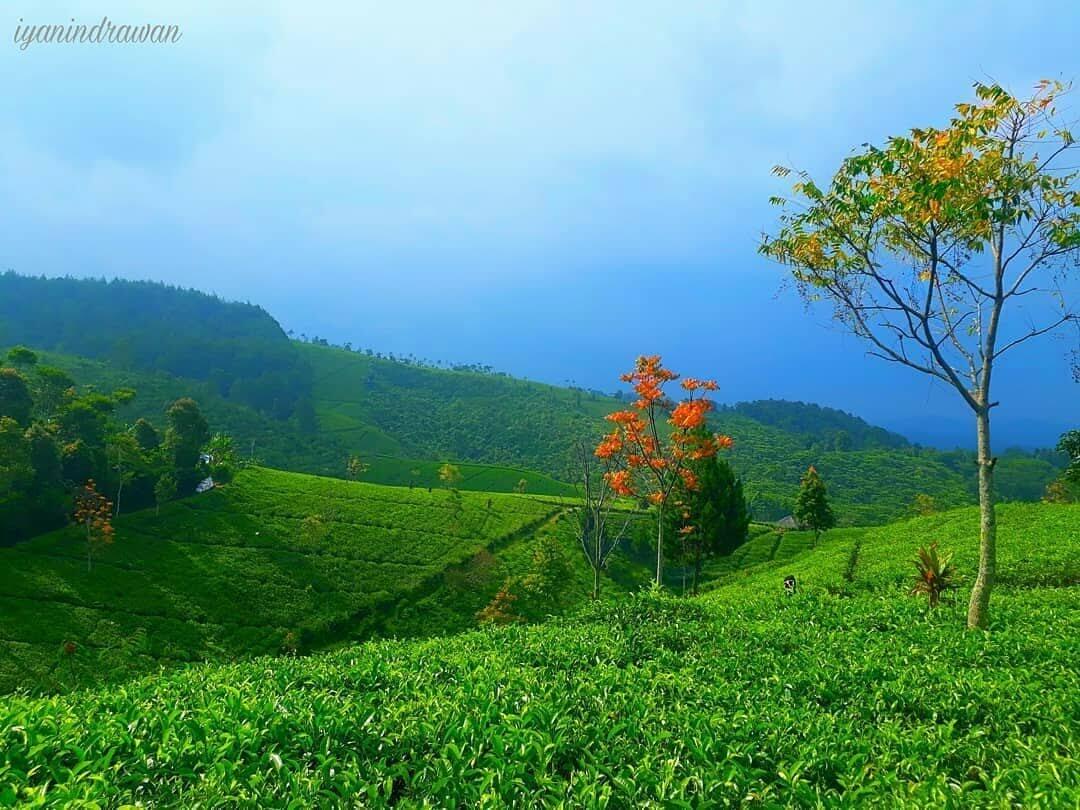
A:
<point x="269" y="562"/>
<point x="849" y="692"/>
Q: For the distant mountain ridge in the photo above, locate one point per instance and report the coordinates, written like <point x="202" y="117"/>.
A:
<point x="238" y="348"/>
<point x="308" y="406"/>
<point x="831" y="427"/>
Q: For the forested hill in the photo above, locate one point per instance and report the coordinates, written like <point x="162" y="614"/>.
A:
<point x="239" y="349"/>
<point x="826" y="428"/>
<point x="382" y="406"/>
<point x="307" y="406"/>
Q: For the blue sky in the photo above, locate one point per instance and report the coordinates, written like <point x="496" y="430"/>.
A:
<point x="551" y="188"/>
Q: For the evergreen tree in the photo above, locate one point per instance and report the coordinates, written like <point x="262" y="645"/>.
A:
<point x="712" y="519"/>
<point x="185" y="437"/>
<point x="146" y="435"/>
<point x="812" y="508"/>
<point x="15" y="400"/>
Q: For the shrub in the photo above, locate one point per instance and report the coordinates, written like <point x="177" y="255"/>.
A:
<point x="935" y="573"/>
<point x="501" y="609"/>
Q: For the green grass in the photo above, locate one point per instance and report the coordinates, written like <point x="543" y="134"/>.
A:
<point x="848" y="693"/>
<point x="234" y="571"/>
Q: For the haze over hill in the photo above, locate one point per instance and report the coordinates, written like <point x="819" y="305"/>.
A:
<point x="307" y="407"/>
<point x="489" y="197"/>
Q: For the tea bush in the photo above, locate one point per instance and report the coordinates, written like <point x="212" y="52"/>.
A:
<point x="846" y="693"/>
<point x="231" y="572"/>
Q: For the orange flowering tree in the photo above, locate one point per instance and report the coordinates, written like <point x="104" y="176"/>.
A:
<point x="94" y="511"/>
<point x="652" y="442"/>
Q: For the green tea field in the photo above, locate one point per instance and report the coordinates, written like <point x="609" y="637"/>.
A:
<point x="849" y="692"/>
<point x="274" y="561"/>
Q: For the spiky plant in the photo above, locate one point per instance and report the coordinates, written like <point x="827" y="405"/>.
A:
<point x="935" y="573"/>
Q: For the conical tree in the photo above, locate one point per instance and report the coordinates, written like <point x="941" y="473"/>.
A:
<point x="812" y="509"/>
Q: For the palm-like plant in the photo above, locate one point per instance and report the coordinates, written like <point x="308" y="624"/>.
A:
<point x="935" y="573"/>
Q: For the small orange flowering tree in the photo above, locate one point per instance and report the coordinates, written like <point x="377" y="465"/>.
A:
<point x="94" y="511"/>
<point x="644" y="461"/>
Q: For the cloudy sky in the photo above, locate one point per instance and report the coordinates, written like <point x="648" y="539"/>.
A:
<point x="550" y="188"/>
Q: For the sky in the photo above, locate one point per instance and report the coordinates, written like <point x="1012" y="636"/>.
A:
<point x="551" y="188"/>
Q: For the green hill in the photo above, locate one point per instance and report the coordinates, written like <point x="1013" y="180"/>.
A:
<point x="272" y="561"/>
<point x="238" y="349"/>
<point x="308" y="407"/>
<point x="285" y="445"/>
<point x="405" y="420"/>
<point x="848" y="693"/>
<point x="819" y="426"/>
<point x="376" y="405"/>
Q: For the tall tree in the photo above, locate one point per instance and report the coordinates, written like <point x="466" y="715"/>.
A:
<point x="713" y="518"/>
<point x="1066" y="487"/>
<point x="654" y="440"/>
<point x="222" y="454"/>
<point x="94" y="512"/>
<point x="924" y="245"/>
<point x="549" y="571"/>
<point x="146" y="435"/>
<point x="16" y="471"/>
<point x="51" y="388"/>
<point x="1069" y="444"/>
<point x="125" y="459"/>
<point x="15" y="399"/>
<point x="597" y="537"/>
<point x="185" y="437"/>
<point x="812" y="509"/>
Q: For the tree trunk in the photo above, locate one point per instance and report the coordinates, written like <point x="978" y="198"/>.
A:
<point x="978" y="607"/>
<point x="660" y="544"/>
<point x="697" y="572"/>
<point x="596" y="580"/>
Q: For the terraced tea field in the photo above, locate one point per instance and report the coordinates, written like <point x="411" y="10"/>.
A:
<point x="848" y="693"/>
<point x="272" y="561"/>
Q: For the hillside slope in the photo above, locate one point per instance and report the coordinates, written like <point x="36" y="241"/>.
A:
<point x="307" y="407"/>
<point x="273" y="561"/>
<point x="285" y="444"/>
<point x="405" y="420"/>
<point x="236" y="348"/>
<point x="849" y="692"/>
<point x="378" y="405"/>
